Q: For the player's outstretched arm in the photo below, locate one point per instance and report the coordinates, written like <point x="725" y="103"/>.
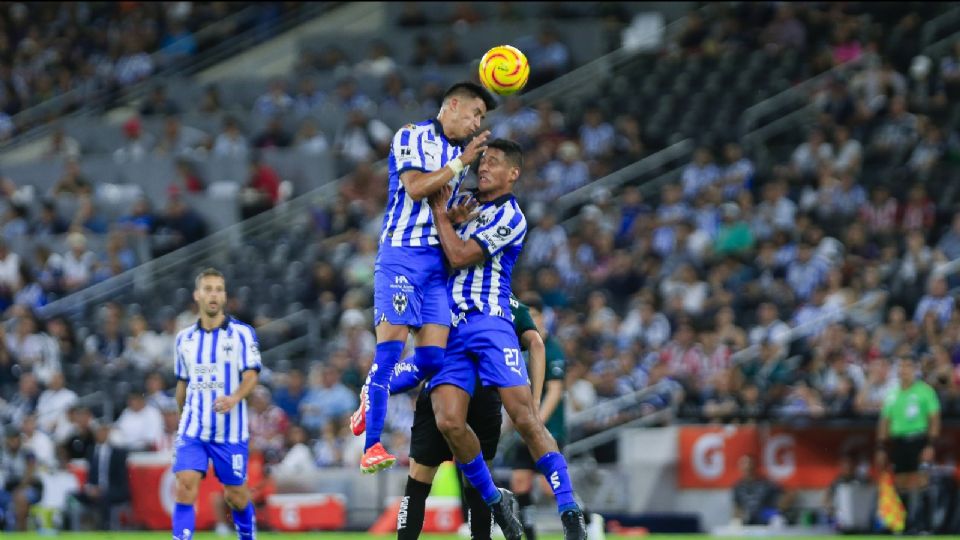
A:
<point x="459" y="253"/>
<point x="422" y="184"/>
<point x="538" y="362"/>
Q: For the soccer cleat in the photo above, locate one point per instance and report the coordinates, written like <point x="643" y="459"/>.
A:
<point x="506" y="514"/>
<point x="358" y="420"/>
<point x="574" y="527"/>
<point x="375" y="459"/>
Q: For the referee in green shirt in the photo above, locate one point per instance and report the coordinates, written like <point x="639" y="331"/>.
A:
<point x="909" y="425"/>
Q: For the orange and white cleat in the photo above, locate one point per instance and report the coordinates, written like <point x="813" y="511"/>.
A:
<point x="358" y="420"/>
<point x="376" y="459"/>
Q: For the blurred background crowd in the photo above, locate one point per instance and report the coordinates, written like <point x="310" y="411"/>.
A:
<point x="783" y="282"/>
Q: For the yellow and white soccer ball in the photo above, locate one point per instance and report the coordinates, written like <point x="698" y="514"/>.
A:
<point x="504" y="70"/>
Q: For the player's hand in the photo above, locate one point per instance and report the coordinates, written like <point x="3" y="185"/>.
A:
<point x="223" y="404"/>
<point x="464" y="211"/>
<point x="438" y="201"/>
<point x="474" y="148"/>
<point x="880" y="458"/>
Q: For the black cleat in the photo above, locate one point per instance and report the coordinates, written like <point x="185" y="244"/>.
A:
<point x="507" y="515"/>
<point x="574" y="527"/>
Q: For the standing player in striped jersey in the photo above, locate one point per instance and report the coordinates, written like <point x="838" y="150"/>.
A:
<point x="482" y="253"/>
<point x="409" y="276"/>
<point x="217" y="366"/>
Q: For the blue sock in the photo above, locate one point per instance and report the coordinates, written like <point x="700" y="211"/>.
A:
<point x="184" y="521"/>
<point x="479" y="475"/>
<point x="245" y="521"/>
<point x="554" y="468"/>
<point x="388" y="353"/>
<point x="411" y="370"/>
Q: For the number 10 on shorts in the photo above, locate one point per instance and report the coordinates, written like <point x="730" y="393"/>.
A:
<point x="512" y="358"/>
<point x="238" y="465"/>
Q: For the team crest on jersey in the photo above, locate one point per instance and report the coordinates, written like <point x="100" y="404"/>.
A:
<point x="227" y="347"/>
<point x="400" y="303"/>
<point x="484" y="219"/>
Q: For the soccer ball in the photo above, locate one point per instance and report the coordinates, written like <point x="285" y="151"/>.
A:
<point x="504" y="70"/>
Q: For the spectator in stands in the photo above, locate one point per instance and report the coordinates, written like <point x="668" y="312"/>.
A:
<point x="927" y="153"/>
<point x="73" y="182"/>
<point x="210" y="103"/>
<point x="143" y="350"/>
<point x="699" y="174"/>
<point x="289" y="395"/>
<point x="756" y="499"/>
<point x="776" y="212"/>
<point x="566" y="173"/>
<point x="78" y="262"/>
<point x="180" y="140"/>
<point x="181" y="224"/>
<point x="597" y="136"/>
<point x="879" y="383"/>
<point x="135" y="64"/>
<point x="769" y="327"/>
<point x="936" y="301"/>
<point x="354" y="338"/>
<point x="78" y="436"/>
<point x="897" y="132"/>
<point x="20" y="485"/>
<point x="450" y="53"/>
<point x="309" y="139"/>
<point x="326" y="400"/>
<point x="737" y="173"/>
<point x="158" y="104"/>
<point x="362" y="138"/>
<point x="156" y="394"/>
<point x="136" y="144"/>
<point x="949" y="244"/>
<point x="549" y="54"/>
<point x="297" y="471"/>
<point x="837" y="106"/>
<point x="140" y="425"/>
<point x="107" y="482"/>
<point x="37" y="442"/>
<point x="378" y="62"/>
<point x="273" y="136"/>
<point x="62" y="145"/>
<point x="268" y="424"/>
<point x="118" y="258"/>
<point x="919" y="212"/>
<point x="734" y="236"/>
<point x="880" y="212"/>
<point x="140" y="221"/>
<point x="276" y="101"/>
<point x="643" y="323"/>
<point x="34" y="349"/>
<point x="178" y="42"/>
<point x="785" y="32"/>
<point x="262" y="190"/>
<point x="231" y="141"/>
<point x="309" y="98"/>
<point x="105" y="347"/>
<point x="807" y="158"/>
<point x="48" y="222"/>
<point x="849" y="151"/>
<point x="916" y="262"/>
<point x="54" y="403"/>
<point x="171" y="423"/>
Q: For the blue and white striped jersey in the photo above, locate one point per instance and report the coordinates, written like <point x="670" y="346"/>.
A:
<point x="500" y="228"/>
<point x="420" y="147"/>
<point x="212" y="363"/>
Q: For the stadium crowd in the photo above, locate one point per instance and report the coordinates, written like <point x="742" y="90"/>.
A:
<point x="838" y="245"/>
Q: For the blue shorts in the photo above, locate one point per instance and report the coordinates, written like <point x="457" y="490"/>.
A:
<point x="410" y="286"/>
<point x="483" y="345"/>
<point x="229" y="459"/>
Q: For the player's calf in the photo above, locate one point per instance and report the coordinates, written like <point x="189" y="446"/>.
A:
<point x="244" y="516"/>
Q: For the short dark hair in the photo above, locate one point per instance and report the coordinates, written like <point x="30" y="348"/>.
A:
<point x="472" y="89"/>
<point x="208" y="272"/>
<point x="510" y="149"/>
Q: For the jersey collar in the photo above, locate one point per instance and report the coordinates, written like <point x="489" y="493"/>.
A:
<point x="499" y="201"/>
<point x="439" y="127"/>
<point x="224" y="326"/>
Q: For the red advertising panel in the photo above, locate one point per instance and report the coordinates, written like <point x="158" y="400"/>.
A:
<point x="709" y="454"/>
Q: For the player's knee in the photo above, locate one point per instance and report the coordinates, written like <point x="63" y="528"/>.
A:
<point x="187" y="489"/>
<point x="237" y="497"/>
<point x="450" y="426"/>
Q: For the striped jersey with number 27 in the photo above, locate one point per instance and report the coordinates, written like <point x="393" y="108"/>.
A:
<point x="212" y="363"/>
<point x="416" y="147"/>
<point x="500" y="228"/>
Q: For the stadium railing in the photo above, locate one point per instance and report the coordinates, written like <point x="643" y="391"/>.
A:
<point x="229" y="47"/>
